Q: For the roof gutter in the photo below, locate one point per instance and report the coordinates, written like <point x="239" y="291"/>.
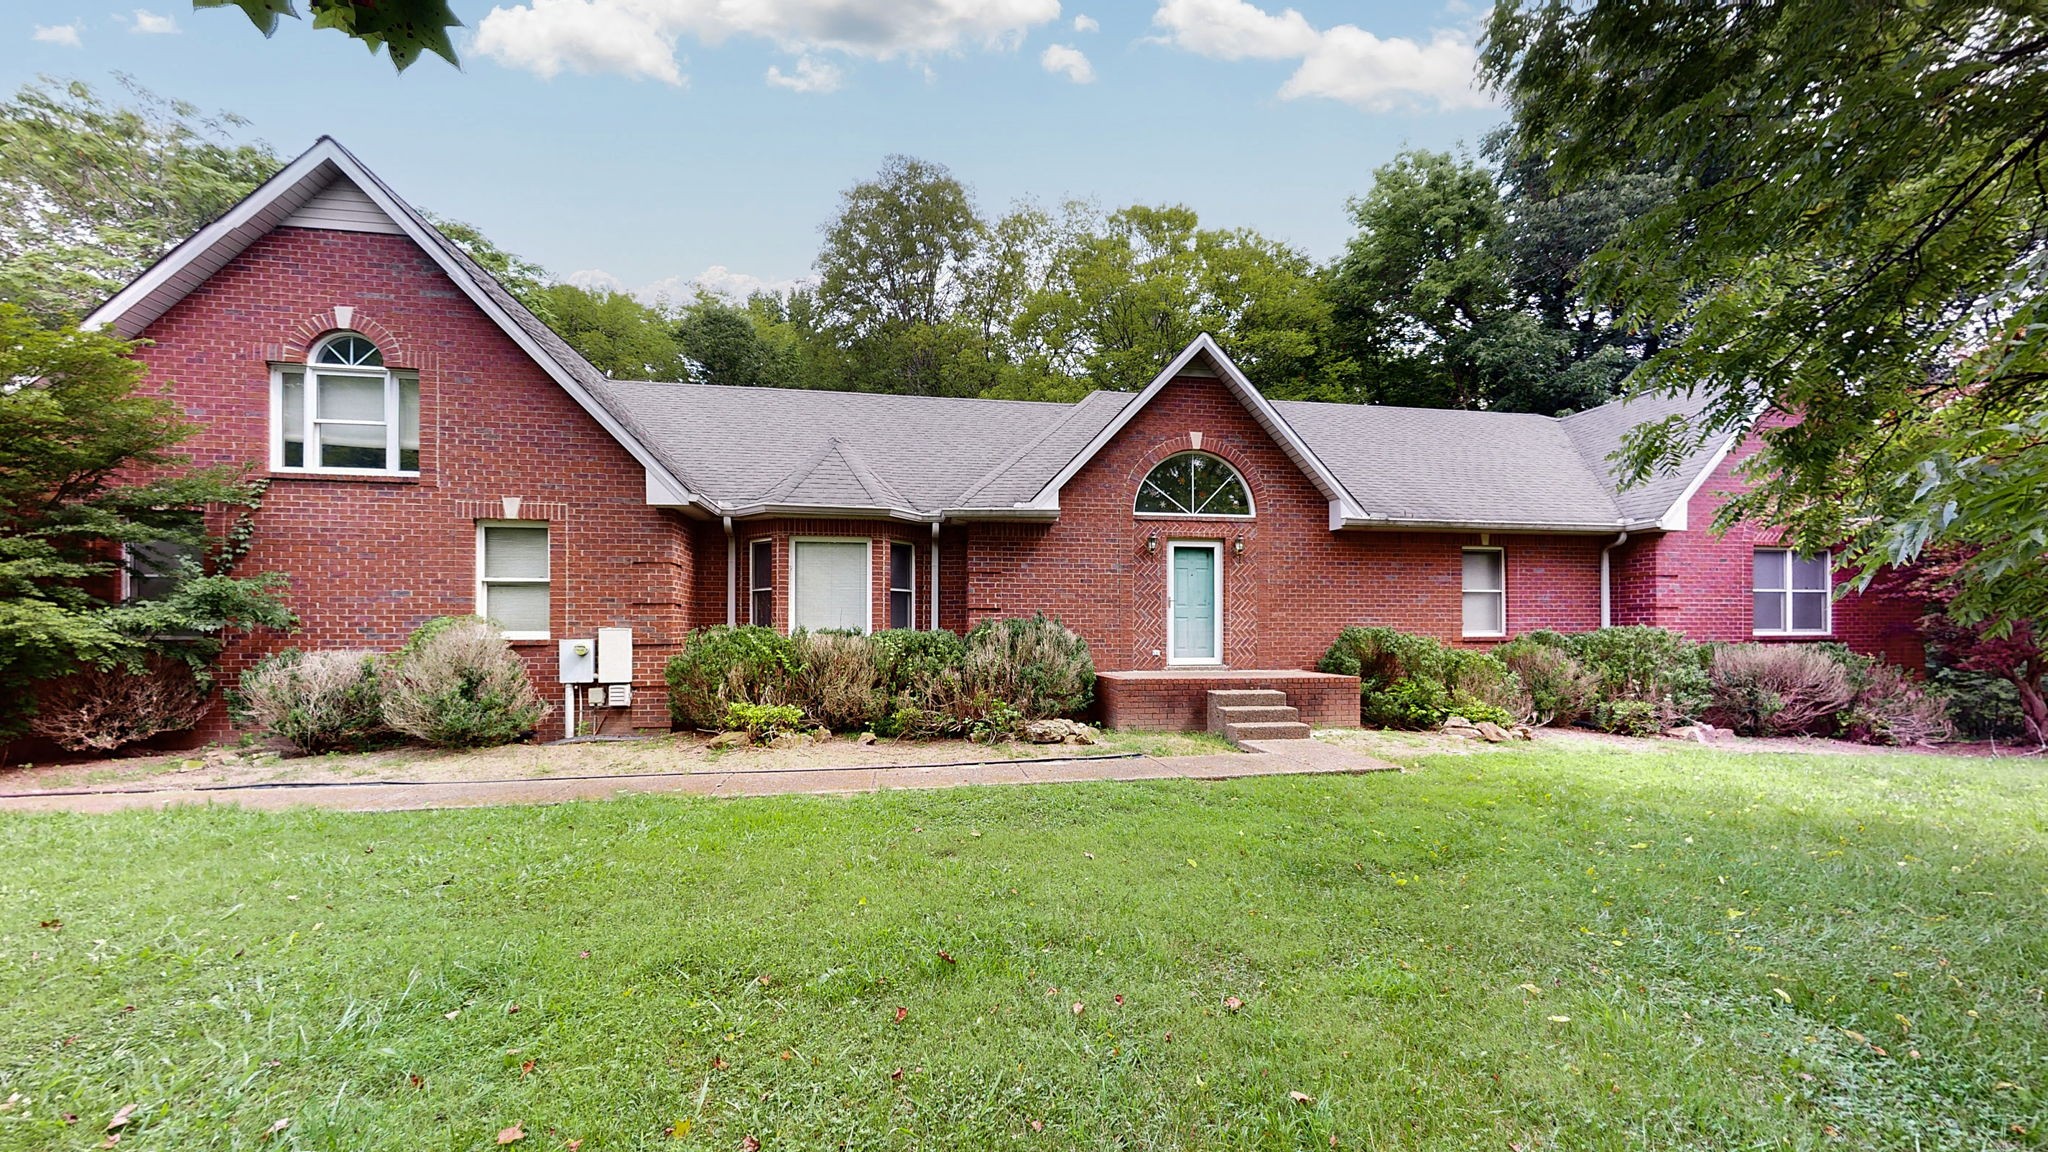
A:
<point x="1580" y="529"/>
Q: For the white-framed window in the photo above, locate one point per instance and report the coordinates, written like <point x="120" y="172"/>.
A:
<point x="1486" y="592"/>
<point x="151" y="571"/>
<point x="761" y="582"/>
<point x="1193" y="484"/>
<point x="344" y="411"/>
<point x="902" y="585"/>
<point x="829" y="584"/>
<point x="1792" y="593"/>
<point x="512" y="576"/>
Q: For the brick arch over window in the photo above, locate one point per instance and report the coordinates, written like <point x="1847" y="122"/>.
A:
<point x="308" y="331"/>
<point x="1223" y="449"/>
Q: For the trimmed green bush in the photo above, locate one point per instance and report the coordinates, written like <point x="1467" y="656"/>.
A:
<point x="909" y="659"/>
<point x="328" y="701"/>
<point x="1411" y="681"/>
<point x="1556" y="689"/>
<point x="1776" y="689"/>
<point x="1034" y="663"/>
<point x="763" y="721"/>
<point x="457" y="684"/>
<point x="1653" y="666"/>
<point x="721" y="666"/>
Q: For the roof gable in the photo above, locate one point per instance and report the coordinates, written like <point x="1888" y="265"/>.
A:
<point x="299" y="193"/>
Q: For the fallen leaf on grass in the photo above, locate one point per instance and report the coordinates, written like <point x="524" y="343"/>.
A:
<point x="112" y="1139"/>
<point x="120" y="1119"/>
<point x="512" y="1135"/>
<point x="512" y="1011"/>
<point x="451" y="1014"/>
<point x="573" y="1145"/>
<point x="525" y="1069"/>
<point x="1531" y="989"/>
<point x="53" y="925"/>
<point x="1232" y="1003"/>
<point x="1301" y="1098"/>
<point x="416" y="1080"/>
<point x="1560" y="1019"/>
<point x="1079" y="1007"/>
<point x="718" y="1064"/>
<point x="1038" y="1125"/>
<point x="902" y="1014"/>
<point x="896" y="1074"/>
<point x="748" y="1143"/>
<point x="282" y="1124"/>
<point x="947" y="956"/>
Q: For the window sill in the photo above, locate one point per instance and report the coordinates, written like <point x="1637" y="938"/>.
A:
<point x="1483" y="636"/>
<point x="1239" y="517"/>
<point x="1824" y="634"/>
<point x="344" y="477"/>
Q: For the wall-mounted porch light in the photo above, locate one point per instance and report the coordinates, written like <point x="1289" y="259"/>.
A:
<point x="1238" y="546"/>
<point x="1152" y="542"/>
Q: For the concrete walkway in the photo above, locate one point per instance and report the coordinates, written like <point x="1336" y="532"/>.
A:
<point x="1275" y="758"/>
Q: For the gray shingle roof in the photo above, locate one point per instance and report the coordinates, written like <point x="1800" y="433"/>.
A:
<point x="1598" y="434"/>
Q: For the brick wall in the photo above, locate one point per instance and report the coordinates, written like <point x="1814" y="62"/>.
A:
<point x="1180" y="703"/>
<point x="1292" y="588"/>
<point x="369" y="559"/>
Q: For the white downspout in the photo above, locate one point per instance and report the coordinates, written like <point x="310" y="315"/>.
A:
<point x="935" y="575"/>
<point x="1606" y="581"/>
<point x="732" y="575"/>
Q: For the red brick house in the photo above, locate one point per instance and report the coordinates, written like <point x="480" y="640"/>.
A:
<point x="434" y="449"/>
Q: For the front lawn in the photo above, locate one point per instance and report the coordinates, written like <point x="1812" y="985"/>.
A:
<point x="1513" y="949"/>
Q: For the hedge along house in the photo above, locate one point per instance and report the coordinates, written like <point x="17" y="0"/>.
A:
<point x="433" y="449"/>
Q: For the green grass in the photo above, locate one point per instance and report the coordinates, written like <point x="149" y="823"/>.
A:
<point x="1516" y="949"/>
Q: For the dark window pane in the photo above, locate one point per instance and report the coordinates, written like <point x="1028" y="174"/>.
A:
<point x="1809" y="611"/>
<point x="1194" y="483"/>
<point x="1810" y="573"/>
<point x="1770" y="569"/>
<point x="408" y="459"/>
<point x="763" y="608"/>
<point x="295" y="453"/>
<point x="1770" y="611"/>
<point x="899" y="609"/>
<point x="902" y="562"/>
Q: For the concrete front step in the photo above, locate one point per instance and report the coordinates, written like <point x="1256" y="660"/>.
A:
<point x="1259" y="714"/>
<point x="1268" y="730"/>
<point x="1245" y="697"/>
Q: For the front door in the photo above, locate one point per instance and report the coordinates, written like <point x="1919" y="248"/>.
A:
<point x="1194" y="604"/>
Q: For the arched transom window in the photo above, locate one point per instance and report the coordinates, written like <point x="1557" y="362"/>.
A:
<point x="1194" y="484"/>
<point x="344" y="411"/>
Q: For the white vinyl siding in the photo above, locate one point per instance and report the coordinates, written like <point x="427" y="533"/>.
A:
<point x="829" y="585"/>
<point x="1486" y="592"/>
<point x="1792" y="593"/>
<point x="512" y="578"/>
<point x="342" y="207"/>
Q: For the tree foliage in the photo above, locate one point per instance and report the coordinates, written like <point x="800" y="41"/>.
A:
<point x="403" y="28"/>
<point x="91" y="193"/>
<point x="86" y="467"/>
<point x="1856" y="235"/>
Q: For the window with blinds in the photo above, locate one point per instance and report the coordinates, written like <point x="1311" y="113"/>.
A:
<point x="1486" y="592"/>
<point x="902" y="585"/>
<point x="512" y="578"/>
<point x="761" y="583"/>
<point x="829" y="585"/>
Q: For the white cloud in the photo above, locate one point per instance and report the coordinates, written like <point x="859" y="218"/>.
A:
<point x="150" y="24"/>
<point x="1086" y="24"/>
<point x="65" y="34"/>
<point x="680" y="289"/>
<point x="1069" y="62"/>
<point x="639" y="37"/>
<point x="811" y="75"/>
<point x="1343" y="62"/>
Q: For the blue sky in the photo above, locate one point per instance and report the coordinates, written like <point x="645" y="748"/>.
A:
<point x="655" y="143"/>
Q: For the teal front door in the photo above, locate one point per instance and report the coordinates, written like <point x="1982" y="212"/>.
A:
<point x="1194" y="619"/>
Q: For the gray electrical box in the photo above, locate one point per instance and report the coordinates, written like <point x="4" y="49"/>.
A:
<point x="579" y="661"/>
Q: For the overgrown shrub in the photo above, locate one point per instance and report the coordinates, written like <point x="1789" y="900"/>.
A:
<point x="1983" y="706"/>
<point x="323" y="701"/>
<point x="1628" y="717"/>
<point x="457" y="684"/>
<point x="1411" y="681"/>
<point x="1034" y="663"/>
<point x="909" y="659"/>
<point x="1891" y="707"/>
<point x="837" y="680"/>
<point x="1776" y="689"/>
<point x="1556" y="689"/>
<point x="101" y="709"/>
<point x="763" y="721"/>
<point x="721" y="666"/>
<point x="1652" y="666"/>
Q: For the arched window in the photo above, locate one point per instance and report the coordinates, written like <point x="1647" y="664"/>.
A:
<point x="344" y="411"/>
<point x="1194" y="484"/>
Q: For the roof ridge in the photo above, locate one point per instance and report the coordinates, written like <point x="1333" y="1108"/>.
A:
<point x="1017" y="457"/>
<point x="881" y="491"/>
<point x="794" y="478"/>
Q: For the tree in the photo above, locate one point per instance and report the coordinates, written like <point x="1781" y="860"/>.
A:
<point x="892" y="273"/>
<point x="2015" y="655"/>
<point x="87" y="467"/>
<point x="619" y="335"/>
<point x="726" y="343"/>
<point x="92" y="193"/>
<point x="523" y="278"/>
<point x="1856" y="237"/>
<point x="403" y="28"/>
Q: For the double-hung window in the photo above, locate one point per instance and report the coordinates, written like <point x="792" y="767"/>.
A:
<point x="761" y="582"/>
<point x="152" y="571"/>
<point x="512" y="577"/>
<point x="345" y="411"/>
<point x="1791" y="593"/>
<point x="902" y="585"/>
<point x="1486" y="592"/>
<point x="829" y="585"/>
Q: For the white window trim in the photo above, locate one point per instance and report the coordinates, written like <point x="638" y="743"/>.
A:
<point x="1216" y="601"/>
<point x="1827" y="591"/>
<point x="796" y="576"/>
<point x="482" y="600"/>
<point x="310" y="407"/>
<point x="1251" y="506"/>
<point x="755" y="585"/>
<point x="1501" y="592"/>
<point x="910" y="587"/>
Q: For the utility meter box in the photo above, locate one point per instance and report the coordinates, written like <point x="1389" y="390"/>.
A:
<point x="579" y="661"/>
<point x="614" y="655"/>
